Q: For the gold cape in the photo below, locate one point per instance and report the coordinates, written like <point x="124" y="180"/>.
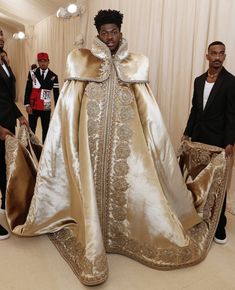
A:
<point x="108" y="178"/>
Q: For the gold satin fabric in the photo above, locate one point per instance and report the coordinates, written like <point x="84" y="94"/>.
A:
<point x="108" y="178"/>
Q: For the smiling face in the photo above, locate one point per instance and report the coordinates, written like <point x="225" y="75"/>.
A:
<point x="111" y="36"/>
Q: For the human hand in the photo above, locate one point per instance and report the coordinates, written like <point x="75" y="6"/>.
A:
<point x="23" y="121"/>
<point x="4" y="132"/>
<point x="184" y="137"/>
<point x="29" y="110"/>
<point x="229" y="151"/>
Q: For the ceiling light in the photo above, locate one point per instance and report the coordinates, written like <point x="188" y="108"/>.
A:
<point x="72" y="8"/>
<point x="19" y="35"/>
<point x="63" y="13"/>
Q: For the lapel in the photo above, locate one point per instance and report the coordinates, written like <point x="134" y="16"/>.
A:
<point x="215" y="88"/>
<point x="201" y="85"/>
<point x="11" y="74"/>
<point x="5" y="76"/>
<point x="48" y="75"/>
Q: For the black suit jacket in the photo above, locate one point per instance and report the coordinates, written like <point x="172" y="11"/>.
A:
<point x="215" y="125"/>
<point x="50" y="82"/>
<point x="9" y="112"/>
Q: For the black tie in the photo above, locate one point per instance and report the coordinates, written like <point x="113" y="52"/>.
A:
<point x="43" y="74"/>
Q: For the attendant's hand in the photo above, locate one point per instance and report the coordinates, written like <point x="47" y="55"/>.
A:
<point x="29" y="110"/>
<point x="184" y="137"/>
<point x="4" y="132"/>
<point x="229" y="151"/>
<point x="23" y="121"/>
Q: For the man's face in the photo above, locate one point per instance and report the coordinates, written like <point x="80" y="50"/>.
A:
<point x="43" y="63"/>
<point x="216" y="56"/>
<point x="111" y="36"/>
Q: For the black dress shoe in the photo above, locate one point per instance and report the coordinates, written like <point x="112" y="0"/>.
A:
<point x="3" y="233"/>
<point x="220" y="236"/>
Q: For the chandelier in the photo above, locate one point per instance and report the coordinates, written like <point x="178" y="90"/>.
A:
<point x="70" y="11"/>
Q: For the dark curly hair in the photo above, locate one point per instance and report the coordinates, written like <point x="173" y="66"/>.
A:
<point x="108" y="16"/>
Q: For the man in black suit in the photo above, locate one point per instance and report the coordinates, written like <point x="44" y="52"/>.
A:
<point x="41" y="81"/>
<point x="9" y="112"/>
<point x="212" y="117"/>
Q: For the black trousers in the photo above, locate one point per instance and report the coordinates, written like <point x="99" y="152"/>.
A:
<point x="45" y="120"/>
<point x="222" y="220"/>
<point x="3" y="178"/>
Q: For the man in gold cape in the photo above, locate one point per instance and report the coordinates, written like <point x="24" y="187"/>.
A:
<point x="108" y="178"/>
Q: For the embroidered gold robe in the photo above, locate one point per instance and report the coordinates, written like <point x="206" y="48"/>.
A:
<point x="108" y="178"/>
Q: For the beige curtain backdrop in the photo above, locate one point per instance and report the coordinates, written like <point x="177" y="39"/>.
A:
<point x="52" y="35"/>
<point x="174" y="34"/>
